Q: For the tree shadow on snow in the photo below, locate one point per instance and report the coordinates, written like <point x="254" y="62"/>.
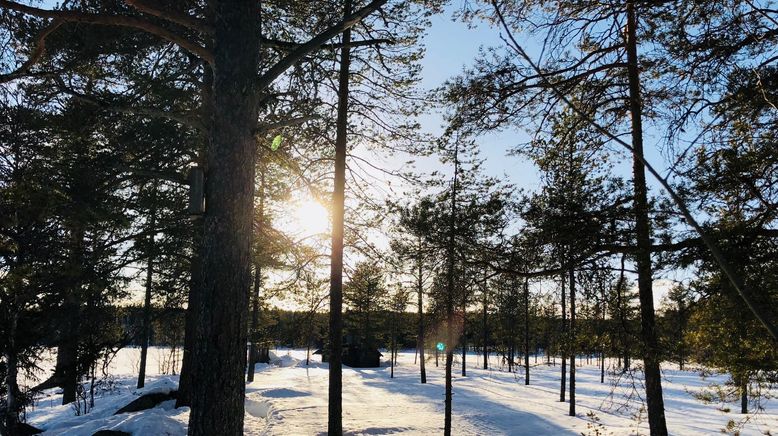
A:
<point x="479" y="409"/>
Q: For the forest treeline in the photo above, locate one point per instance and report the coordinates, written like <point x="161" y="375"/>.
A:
<point x="501" y="333"/>
<point x="151" y="152"/>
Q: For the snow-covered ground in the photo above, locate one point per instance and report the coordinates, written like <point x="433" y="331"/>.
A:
<point x="288" y="398"/>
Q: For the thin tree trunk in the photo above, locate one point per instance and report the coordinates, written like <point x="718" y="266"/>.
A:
<point x="572" y="342"/>
<point x="194" y="299"/>
<point x="563" y="337"/>
<point x="486" y="326"/>
<point x="220" y="349"/>
<point x="144" y="350"/>
<point x="66" y="368"/>
<point x="420" y="345"/>
<point x="602" y="366"/>
<point x="394" y="345"/>
<point x="653" y="379"/>
<point x="253" y="349"/>
<point x="464" y="340"/>
<point x="254" y="333"/>
<point x="744" y="396"/>
<point x="335" y="404"/>
<point x="526" y="332"/>
<point x="188" y="367"/>
<point x="450" y="298"/>
<point x="11" y="377"/>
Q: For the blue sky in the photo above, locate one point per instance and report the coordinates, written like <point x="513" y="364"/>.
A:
<point x="452" y="46"/>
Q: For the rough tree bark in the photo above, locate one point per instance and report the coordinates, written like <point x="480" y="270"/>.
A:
<point x="651" y="359"/>
<point x="220" y="348"/>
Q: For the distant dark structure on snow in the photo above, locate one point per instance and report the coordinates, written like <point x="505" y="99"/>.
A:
<point x="355" y="354"/>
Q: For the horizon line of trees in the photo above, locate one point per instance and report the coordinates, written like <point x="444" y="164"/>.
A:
<point x="161" y="144"/>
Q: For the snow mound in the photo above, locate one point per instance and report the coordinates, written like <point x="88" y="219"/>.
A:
<point x="284" y="361"/>
<point x="258" y="408"/>
<point x="163" y="419"/>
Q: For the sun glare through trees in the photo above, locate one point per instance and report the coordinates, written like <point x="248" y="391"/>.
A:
<point x="486" y="217"/>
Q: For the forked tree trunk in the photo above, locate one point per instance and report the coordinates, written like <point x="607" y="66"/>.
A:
<point x="651" y="359"/>
<point x="335" y="405"/>
<point x="220" y="349"/>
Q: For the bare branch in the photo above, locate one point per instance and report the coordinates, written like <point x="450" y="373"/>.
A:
<point x="36" y="55"/>
<point x="316" y="42"/>
<point x="180" y="19"/>
<point x="113" y="20"/>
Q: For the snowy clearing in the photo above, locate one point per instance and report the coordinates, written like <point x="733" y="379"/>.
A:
<point x="288" y="398"/>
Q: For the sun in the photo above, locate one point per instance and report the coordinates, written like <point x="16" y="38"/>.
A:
<point x="309" y="217"/>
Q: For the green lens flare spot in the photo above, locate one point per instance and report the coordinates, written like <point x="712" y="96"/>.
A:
<point x="441" y="346"/>
<point x="276" y="142"/>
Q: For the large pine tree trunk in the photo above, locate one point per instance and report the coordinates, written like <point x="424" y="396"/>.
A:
<point x="651" y="359"/>
<point x="335" y="410"/>
<point x="220" y="349"/>
<point x="744" y="396"/>
<point x="572" y="342"/>
<point x="144" y="350"/>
